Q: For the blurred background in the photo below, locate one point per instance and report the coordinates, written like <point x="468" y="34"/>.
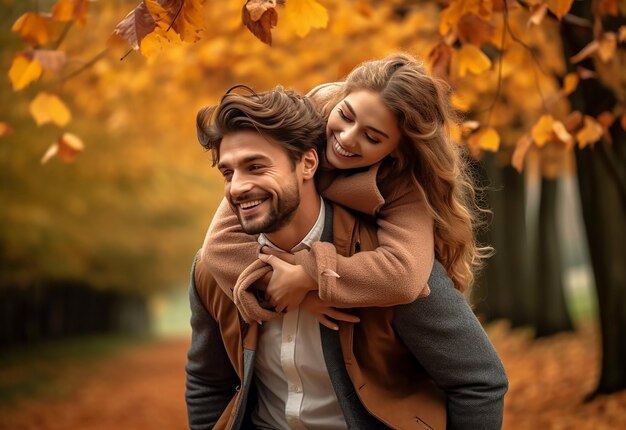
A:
<point x="98" y="236"/>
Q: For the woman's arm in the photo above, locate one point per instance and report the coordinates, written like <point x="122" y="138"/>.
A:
<point x="396" y="272"/>
<point x="227" y="249"/>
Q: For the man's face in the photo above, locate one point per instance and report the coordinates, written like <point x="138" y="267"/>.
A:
<point x="260" y="183"/>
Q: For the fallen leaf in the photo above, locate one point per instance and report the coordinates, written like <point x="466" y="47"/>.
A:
<point x="587" y="51"/>
<point x="33" y="28"/>
<point x="560" y="7"/>
<point x="472" y="59"/>
<point x="303" y="15"/>
<point x="440" y="57"/>
<point x="542" y="130"/>
<point x="49" y="59"/>
<point x="261" y="28"/>
<point x="47" y="108"/>
<point x="608" y="45"/>
<point x="24" y="71"/>
<point x="519" y="154"/>
<point x="537" y="13"/>
<point x="71" y="10"/>
<point x="5" y="129"/>
<point x="487" y="139"/>
<point x="590" y="133"/>
<point x="570" y="82"/>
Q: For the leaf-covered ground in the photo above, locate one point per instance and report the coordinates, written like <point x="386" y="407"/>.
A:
<point x="143" y="388"/>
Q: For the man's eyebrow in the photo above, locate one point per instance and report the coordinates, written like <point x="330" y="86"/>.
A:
<point x="247" y="160"/>
<point x="351" y="109"/>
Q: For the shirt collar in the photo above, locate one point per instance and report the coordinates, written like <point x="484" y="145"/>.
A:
<point x="314" y="235"/>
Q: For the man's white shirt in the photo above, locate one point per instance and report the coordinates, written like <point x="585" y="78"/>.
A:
<point x="294" y="388"/>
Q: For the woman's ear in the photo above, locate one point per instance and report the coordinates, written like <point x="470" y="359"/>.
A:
<point x="310" y="162"/>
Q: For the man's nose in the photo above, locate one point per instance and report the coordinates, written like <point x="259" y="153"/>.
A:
<point x="239" y="185"/>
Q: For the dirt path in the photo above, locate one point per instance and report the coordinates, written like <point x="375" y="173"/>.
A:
<point x="144" y="388"/>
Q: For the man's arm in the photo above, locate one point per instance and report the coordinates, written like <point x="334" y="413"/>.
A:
<point x="446" y="338"/>
<point x="211" y="379"/>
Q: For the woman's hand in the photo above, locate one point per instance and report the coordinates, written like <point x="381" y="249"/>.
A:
<point x="323" y="311"/>
<point x="289" y="283"/>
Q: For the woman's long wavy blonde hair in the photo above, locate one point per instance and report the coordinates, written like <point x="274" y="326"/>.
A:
<point x="428" y="156"/>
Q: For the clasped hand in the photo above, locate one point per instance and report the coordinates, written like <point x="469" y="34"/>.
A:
<point x="290" y="286"/>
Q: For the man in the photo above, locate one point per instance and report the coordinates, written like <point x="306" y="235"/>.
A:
<point x="292" y="372"/>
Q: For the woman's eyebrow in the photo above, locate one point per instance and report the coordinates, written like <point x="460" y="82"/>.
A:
<point x="351" y="109"/>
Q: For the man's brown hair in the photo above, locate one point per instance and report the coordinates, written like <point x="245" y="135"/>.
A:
<point x="283" y="115"/>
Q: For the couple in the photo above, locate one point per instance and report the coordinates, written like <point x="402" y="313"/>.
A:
<point x="361" y="323"/>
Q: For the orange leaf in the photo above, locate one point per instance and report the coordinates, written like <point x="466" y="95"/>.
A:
<point x="440" y="58"/>
<point x="519" y="154"/>
<point x="71" y="10"/>
<point x="538" y="12"/>
<point x="47" y="108"/>
<point x="33" y="28"/>
<point x="608" y="45"/>
<point x="66" y="147"/>
<point x="23" y="71"/>
<point x="135" y="26"/>
<point x="261" y="28"/>
<point x="472" y="59"/>
<point x="5" y="129"/>
<point x="49" y="59"/>
<point x="590" y="133"/>
<point x="474" y="30"/>
<point x="487" y="139"/>
<point x="542" y="130"/>
<point x="560" y="7"/>
<point x="570" y="82"/>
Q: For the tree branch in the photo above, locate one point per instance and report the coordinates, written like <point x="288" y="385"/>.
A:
<point x="85" y="66"/>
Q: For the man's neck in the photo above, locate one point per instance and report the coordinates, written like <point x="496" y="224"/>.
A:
<point x="299" y="226"/>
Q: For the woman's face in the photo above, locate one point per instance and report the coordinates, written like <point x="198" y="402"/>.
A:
<point x="361" y="131"/>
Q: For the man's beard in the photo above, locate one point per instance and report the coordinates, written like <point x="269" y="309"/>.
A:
<point x="282" y="209"/>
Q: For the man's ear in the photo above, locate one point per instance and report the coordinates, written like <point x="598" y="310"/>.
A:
<point x="310" y="162"/>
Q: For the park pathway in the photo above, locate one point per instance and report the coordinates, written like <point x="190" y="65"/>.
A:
<point x="143" y="388"/>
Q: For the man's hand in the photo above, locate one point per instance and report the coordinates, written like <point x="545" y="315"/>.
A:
<point x="323" y="311"/>
<point x="289" y="283"/>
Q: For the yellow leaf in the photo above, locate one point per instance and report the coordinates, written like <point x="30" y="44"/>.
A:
<point x="519" y="154"/>
<point x="487" y="139"/>
<point x="33" y="28"/>
<point x="472" y="59"/>
<point x="560" y="7"/>
<point x="542" y="130"/>
<point x="47" y="108"/>
<point x="608" y="45"/>
<point x="71" y="10"/>
<point x="590" y="133"/>
<point x="23" y="71"/>
<point x="303" y="15"/>
<point x="561" y="133"/>
<point x="157" y="40"/>
<point x="570" y="82"/>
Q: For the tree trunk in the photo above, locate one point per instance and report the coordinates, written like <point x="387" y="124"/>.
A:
<point x="552" y="315"/>
<point x="602" y="183"/>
